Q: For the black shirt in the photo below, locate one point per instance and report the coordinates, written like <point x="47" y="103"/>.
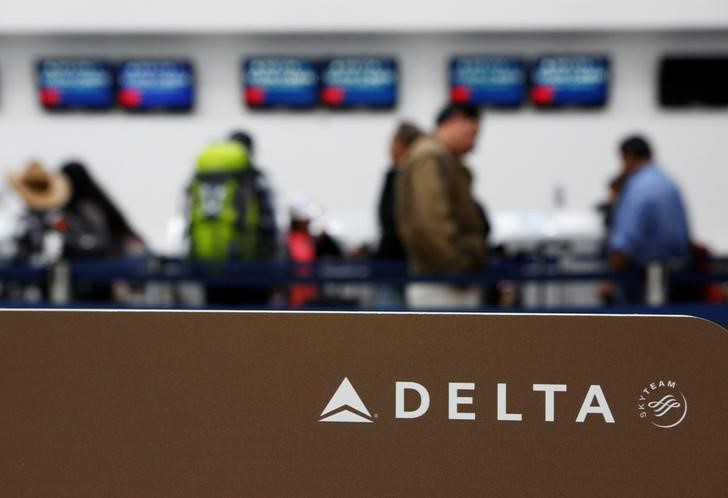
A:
<point x="390" y="245"/>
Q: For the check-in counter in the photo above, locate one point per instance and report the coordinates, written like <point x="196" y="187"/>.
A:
<point x="173" y="404"/>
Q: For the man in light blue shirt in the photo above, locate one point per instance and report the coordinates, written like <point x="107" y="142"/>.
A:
<point x="649" y="218"/>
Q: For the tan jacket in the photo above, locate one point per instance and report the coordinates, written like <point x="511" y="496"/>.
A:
<point x="440" y="224"/>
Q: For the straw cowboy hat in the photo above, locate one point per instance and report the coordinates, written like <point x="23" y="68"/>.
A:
<point x="42" y="190"/>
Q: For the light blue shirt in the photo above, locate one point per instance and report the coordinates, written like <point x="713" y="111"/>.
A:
<point x="649" y="219"/>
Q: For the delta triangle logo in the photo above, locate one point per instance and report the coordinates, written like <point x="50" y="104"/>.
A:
<point x="346" y="406"/>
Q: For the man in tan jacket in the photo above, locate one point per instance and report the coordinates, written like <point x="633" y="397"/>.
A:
<point x="440" y="223"/>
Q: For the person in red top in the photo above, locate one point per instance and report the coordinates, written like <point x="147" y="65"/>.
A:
<point x="302" y="251"/>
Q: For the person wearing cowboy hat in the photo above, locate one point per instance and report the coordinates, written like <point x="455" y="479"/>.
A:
<point x="70" y="216"/>
<point x="39" y="237"/>
<point x="40" y="189"/>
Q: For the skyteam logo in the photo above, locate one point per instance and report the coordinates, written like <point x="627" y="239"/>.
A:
<point x="663" y="404"/>
<point x="346" y="406"/>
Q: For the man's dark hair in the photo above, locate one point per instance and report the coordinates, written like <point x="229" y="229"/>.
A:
<point x="637" y="147"/>
<point x="407" y="133"/>
<point x="243" y="138"/>
<point x="451" y="110"/>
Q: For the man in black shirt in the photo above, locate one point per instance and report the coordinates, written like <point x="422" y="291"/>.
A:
<point x="390" y="246"/>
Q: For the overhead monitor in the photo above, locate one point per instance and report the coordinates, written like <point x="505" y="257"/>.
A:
<point x="156" y="85"/>
<point x="488" y="81"/>
<point x="75" y="84"/>
<point x="570" y="81"/>
<point x="359" y="82"/>
<point x="280" y="82"/>
<point x="694" y="81"/>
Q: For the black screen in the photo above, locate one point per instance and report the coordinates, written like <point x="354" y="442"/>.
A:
<point x="687" y="81"/>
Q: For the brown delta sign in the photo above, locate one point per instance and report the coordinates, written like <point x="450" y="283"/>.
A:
<point x="178" y="404"/>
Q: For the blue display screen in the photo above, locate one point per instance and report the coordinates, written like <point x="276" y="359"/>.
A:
<point x="570" y="81"/>
<point x="75" y="84"/>
<point x="488" y="81"/>
<point x="146" y="85"/>
<point x="280" y="82"/>
<point x="359" y="82"/>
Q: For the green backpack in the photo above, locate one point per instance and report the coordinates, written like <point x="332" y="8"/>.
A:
<point x="224" y="211"/>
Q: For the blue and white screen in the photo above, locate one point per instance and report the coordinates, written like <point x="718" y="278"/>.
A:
<point x="280" y="82"/>
<point x="580" y="81"/>
<point x="156" y="85"/>
<point x="489" y="81"/>
<point x="368" y="82"/>
<point x="75" y="84"/>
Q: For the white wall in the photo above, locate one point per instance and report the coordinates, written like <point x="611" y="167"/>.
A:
<point x="338" y="159"/>
<point x="42" y="16"/>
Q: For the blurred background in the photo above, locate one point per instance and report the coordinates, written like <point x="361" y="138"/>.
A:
<point x="136" y="93"/>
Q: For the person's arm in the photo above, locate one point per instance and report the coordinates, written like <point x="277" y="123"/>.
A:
<point x="433" y="223"/>
<point x="389" y="245"/>
<point x="268" y="227"/>
<point x="386" y="203"/>
<point x="629" y="230"/>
